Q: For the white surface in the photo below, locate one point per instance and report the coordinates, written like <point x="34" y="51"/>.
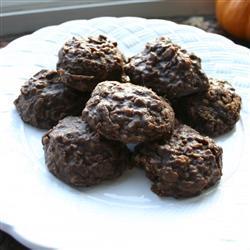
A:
<point x="41" y="211"/>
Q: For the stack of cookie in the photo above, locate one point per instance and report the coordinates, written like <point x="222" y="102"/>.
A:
<point x="99" y="102"/>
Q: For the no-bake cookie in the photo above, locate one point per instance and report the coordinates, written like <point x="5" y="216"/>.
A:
<point x="80" y="157"/>
<point x="128" y="113"/>
<point x="44" y="100"/>
<point x="88" y="61"/>
<point x="167" y="69"/>
<point x="213" y="112"/>
<point x="183" y="166"/>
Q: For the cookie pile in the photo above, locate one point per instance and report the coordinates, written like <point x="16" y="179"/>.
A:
<point x="97" y="102"/>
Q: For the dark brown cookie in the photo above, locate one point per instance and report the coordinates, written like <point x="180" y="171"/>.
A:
<point x="183" y="166"/>
<point x="89" y="61"/>
<point x="128" y="113"/>
<point x="44" y="100"/>
<point x="213" y="112"/>
<point x="81" y="157"/>
<point x="168" y="69"/>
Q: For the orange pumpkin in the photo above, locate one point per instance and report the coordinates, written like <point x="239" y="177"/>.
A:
<point x="234" y="17"/>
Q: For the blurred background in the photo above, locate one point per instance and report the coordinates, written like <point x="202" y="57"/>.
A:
<point x="230" y="18"/>
<point x="18" y="17"/>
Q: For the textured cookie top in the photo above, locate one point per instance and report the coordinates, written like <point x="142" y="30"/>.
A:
<point x="215" y="111"/>
<point x="222" y="97"/>
<point x="44" y="100"/>
<point x="72" y="132"/>
<point x="95" y="57"/>
<point x="69" y="129"/>
<point x="183" y="165"/>
<point x="220" y="93"/>
<point x="167" y="69"/>
<point x="190" y="148"/>
<point x="81" y="157"/>
<point x="128" y="113"/>
<point x="45" y="81"/>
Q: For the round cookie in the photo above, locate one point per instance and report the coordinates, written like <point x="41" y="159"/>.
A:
<point x="183" y="166"/>
<point x="88" y="61"/>
<point x="44" y="100"/>
<point x="167" y="69"/>
<point x="213" y="112"/>
<point x="80" y="157"/>
<point x="128" y="113"/>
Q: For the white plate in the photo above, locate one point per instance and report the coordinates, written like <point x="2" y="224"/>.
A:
<point x="41" y="211"/>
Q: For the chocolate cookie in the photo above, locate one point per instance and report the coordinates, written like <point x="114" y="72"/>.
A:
<point x="87" y="62"/>
<point x="167" y="69"/>
<point x="44" y="100"/>
<point x="81" y="157"/>
<point x="183" y="166"/>
<point x="213" y="112"/>
<point x="128" y="113"/>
